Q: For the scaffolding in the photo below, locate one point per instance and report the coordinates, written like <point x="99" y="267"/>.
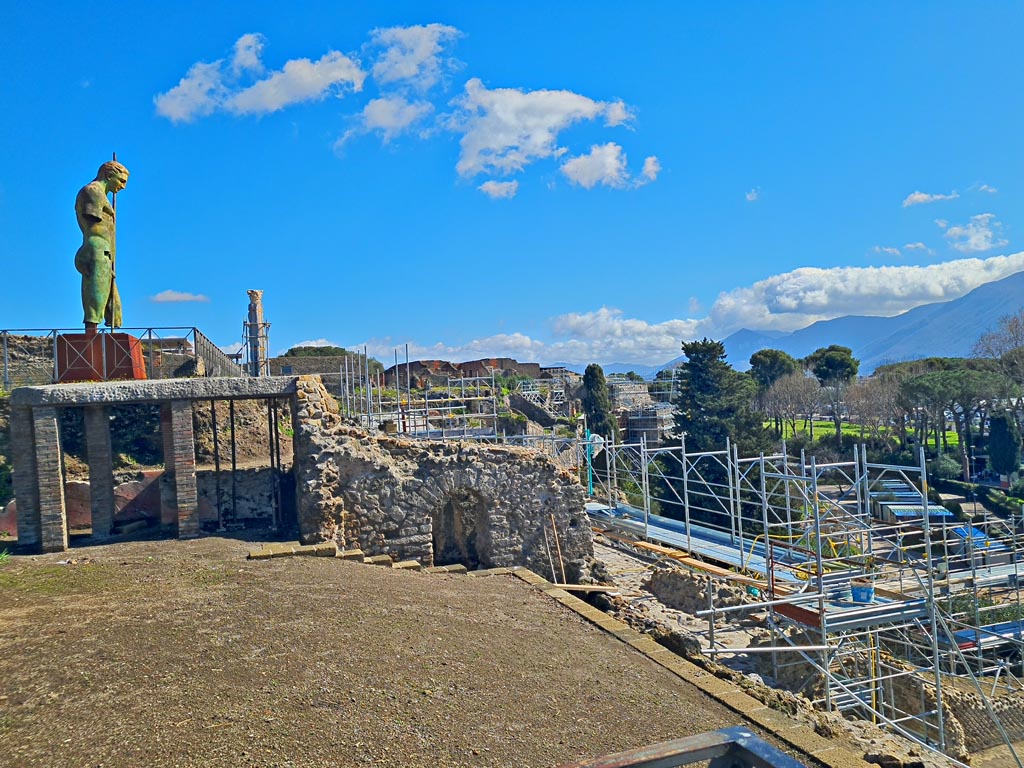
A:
<point x="462" y="408"/>
<point x="876" y="601"/>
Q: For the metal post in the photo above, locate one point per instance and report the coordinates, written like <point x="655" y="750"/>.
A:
<point x="686" y="491"/>
<point x="769" y="565"/>
<point x="734" y="480"/>
<point x="274" y="467"/>
<point x="590" y="459"/>
<point x="234" y="464"/>
<point x="931" y="604"/>
<point x="216" y="464"/>
<point x="646" y="489"/>
<point x="103" y="352"/>
<point x="821" y="586"/>
<point x="152" y="355"/>
<point x="7" y="370"/>
<point x="366" y="383"/>
<point x="408" y="380"/>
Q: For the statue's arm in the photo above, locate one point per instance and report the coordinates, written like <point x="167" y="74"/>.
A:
<point x="91" y="202"/>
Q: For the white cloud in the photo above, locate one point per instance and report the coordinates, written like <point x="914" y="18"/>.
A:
<point x="604" y="164"/>
<point x="300" y="80"/>
<point x="918" y="246"/>
<point x="886" y="250"/>
<point x="754" y="195"/>
<point x="499" y="189"/>
<point x="208" y="87"/>
<point x="412" y="54"/>
<point x="506" y="129"/>
<point x="247" y="54"/>
<point x="782" y="302"/>
<point x="392" y="115"/>
<point x="796" y="299"/>
<point x="651" y="168"/>
<point x="694" y="306"/>
<point x="313" y="343"/>
<point x="919" y="198"/>
<point x="169" y="296"/>
<point x="231" y="349"/>
<point x="198" y="93"/>
<point x="982" y="233"/>
<point x="987" y="188"/>
<point x="515" y="345"/>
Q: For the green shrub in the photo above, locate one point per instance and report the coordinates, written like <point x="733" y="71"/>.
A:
<point x="945" y="467"/>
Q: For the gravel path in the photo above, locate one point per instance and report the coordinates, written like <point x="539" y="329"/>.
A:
<point x="185" y="654"/>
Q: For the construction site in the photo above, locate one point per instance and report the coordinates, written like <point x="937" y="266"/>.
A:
<point x="873" y="601"/>
<point x="870" y="599"/>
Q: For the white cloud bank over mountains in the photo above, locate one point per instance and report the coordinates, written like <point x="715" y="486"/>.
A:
<point x="783" y="302"/>
<point x="503" y="130"/>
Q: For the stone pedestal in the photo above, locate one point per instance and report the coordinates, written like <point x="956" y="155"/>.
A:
<point x="99" y="357"/>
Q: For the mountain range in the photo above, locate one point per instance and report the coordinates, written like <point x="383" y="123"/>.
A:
<point x="941" y="329"/>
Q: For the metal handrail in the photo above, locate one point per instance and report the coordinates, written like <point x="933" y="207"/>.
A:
<point x="194" y="344"/>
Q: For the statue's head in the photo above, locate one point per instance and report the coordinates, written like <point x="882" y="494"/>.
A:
<point x="115" y="174"/>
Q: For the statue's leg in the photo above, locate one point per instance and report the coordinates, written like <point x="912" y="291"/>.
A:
<point x="95" y="283"/>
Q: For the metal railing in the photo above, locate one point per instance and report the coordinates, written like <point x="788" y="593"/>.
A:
<point x="32" y="356"/>
<point x="735" y="747"/>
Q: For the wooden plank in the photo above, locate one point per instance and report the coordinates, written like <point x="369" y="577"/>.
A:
<point x="700" y="565"/>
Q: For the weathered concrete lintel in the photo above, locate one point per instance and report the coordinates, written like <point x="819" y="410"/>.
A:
<point x="213" y="388"/>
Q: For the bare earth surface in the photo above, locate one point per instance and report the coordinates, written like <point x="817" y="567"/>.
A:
<point x="185" y="654"/>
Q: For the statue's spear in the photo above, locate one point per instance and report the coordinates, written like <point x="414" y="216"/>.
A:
<point x="115" y="298"/>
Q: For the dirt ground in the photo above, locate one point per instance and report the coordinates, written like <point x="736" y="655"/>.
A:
<point x="186" y="654"/>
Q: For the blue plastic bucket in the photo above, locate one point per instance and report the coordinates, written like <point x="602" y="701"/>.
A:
<point x="862" y="594"/>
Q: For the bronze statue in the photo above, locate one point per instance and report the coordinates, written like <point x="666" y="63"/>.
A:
<point x="97" y="256"/>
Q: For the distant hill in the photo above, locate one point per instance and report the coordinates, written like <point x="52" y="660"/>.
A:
<point x="943" y="329"/>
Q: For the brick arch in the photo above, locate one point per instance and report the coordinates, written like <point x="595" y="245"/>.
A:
<point x="461" y="529"/>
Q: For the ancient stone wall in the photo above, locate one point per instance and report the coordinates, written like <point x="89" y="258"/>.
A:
<point x="436" y="502"/>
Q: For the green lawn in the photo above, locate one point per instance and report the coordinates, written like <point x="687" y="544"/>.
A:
<point x="822" y="428"/>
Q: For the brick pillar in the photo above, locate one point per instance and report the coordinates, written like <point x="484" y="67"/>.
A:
<point x="53" y="523"/>
<point x="179" y="496"/>
<point x="26" y="492"/>
<point x="101" y="469"/>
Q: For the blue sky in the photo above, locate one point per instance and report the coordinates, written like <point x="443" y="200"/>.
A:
<point x="550" y="181"/>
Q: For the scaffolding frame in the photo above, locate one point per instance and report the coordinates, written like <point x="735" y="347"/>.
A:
<point x="805" y="534"/>
<point x="463" y="408"/>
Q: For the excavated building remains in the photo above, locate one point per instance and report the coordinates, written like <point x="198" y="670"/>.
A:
<point x="436" y="502"/>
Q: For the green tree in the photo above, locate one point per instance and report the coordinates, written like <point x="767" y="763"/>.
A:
<point x="834" y="367"/>
<point x="597" y="404"/>
<point x="767" y="366"/>
<point x="714" y="401"/>
<point x="1003" y="444"/>
<point x="325" y="351"/>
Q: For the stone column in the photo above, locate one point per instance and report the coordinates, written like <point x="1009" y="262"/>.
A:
<point x="53" y="523"/>
<point x="26" y="492"/>
<point x="101" y="469"/>
<point x="179" y="497"/>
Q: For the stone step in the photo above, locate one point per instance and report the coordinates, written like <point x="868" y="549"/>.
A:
<point x="407" y="565"/>
<point x="455" y="568"/>
<point x="322" y="549"/>
<point x="351" y="554"/>
<point x="378" y="560"/>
